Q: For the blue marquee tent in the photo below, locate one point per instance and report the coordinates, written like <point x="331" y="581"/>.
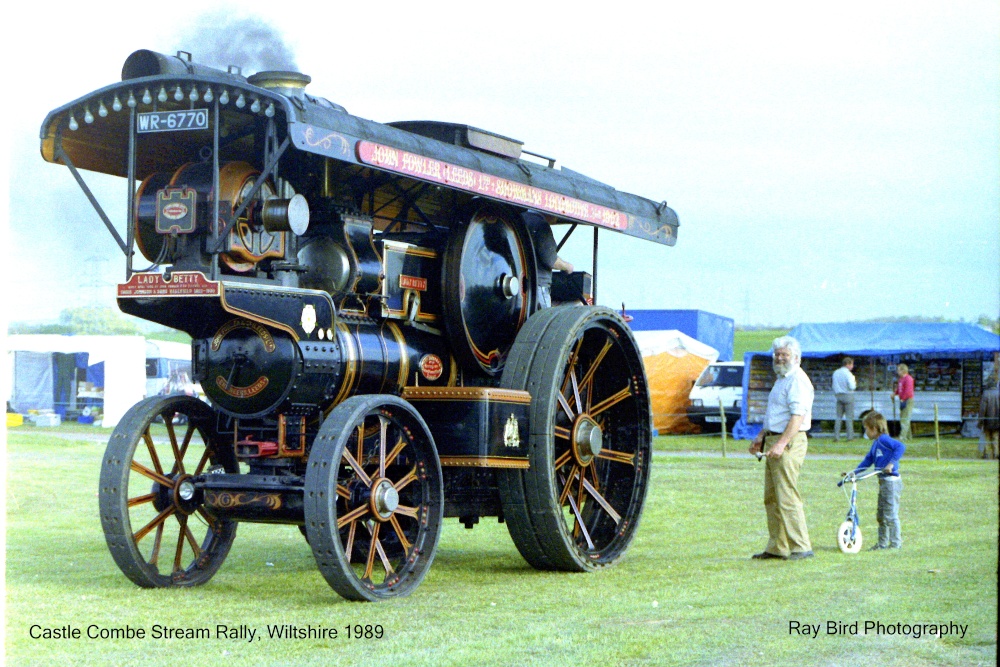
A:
<point x="884" y="339"/>
<point x="709" y="328"/>
<point x="893" y="341"/>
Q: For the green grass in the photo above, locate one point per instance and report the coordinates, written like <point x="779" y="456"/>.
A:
<point x="951" y="448"/>
<point x="685" y="593"/>
<point x="754" y="341"/>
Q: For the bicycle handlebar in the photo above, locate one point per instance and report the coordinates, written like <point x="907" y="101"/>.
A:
<point x="853" y="477"/>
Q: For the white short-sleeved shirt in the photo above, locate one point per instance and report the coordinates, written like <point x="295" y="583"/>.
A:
<point x="791" y="395"/>
<point x="843" y="381"/>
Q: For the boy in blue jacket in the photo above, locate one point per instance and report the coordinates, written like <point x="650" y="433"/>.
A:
<point x="884" y="455"/>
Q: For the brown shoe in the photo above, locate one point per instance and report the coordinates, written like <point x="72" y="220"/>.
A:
<point x="766" y="555"/>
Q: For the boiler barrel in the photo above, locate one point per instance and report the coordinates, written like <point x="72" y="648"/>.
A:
<point x="250" y="370"/>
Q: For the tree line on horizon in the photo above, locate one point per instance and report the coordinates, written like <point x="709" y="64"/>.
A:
<point x="105" y="320"/>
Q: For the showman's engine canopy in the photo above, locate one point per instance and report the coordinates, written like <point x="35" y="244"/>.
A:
<point x="380" y="324"/>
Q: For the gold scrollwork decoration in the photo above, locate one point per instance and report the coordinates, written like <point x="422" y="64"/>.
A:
<point x="327" y="141"/>
<point x="229" y="500"/>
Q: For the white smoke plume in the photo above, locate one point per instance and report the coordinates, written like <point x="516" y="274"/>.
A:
<point x="248" y="42"/>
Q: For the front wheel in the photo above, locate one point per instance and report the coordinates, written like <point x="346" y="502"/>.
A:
<point x="849" y="537"/>
<point x="154" y="523"/>
<point x="374" y="499"/>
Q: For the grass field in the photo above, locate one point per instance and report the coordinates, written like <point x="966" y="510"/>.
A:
<point x="951" y="448"/>
<point x="755" y="340"/>
<point x="685" y="593"/>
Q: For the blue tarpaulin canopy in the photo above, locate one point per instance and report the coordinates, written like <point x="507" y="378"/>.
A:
<point x="895" y="341"/>
<point x="875" y="339"/>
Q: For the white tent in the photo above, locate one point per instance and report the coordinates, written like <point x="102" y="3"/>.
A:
<point x="124" y="359"/>
<point x="652" y="343"/>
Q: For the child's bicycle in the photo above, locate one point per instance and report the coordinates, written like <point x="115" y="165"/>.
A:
<point x="849" y="533"/>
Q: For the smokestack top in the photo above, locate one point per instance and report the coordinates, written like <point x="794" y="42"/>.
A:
<point x="289" y="84"/>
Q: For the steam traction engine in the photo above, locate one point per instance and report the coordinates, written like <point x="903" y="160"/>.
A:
<point x="376" y="324"/>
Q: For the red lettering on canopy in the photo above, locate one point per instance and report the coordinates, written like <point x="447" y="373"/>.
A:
<point x="470" y="180"/>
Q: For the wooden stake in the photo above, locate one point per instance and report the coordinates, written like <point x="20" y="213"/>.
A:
<point x="722" y="413"/>
<point x="937" y="434"/>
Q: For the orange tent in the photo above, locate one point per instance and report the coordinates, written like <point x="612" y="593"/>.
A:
<point x="673" y="362"/>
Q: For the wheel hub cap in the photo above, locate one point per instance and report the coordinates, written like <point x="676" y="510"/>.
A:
<point x="183" y="494"/>
<point x="587" y="440"/>
<point x="384" y="499"/>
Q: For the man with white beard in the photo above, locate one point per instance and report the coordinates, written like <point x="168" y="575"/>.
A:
<point x="788" y="417"/>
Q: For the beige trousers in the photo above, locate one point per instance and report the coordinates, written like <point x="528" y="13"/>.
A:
<point x="786" y="519"/>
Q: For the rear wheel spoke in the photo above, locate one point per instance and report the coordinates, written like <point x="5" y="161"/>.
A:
<point x="579" y="522"/>
<point x="620" y="457"/>
<point x="563" y="459"/>
<point x="399" y="533"/>
<point x="188" y="434"/>
<point x="588" y="378"/>
<point x="564" y="404"/>
<point x="209" y="519"/>
<point x="577" y="507"/>
<point x="601" y="500"/>
<point x="567" y="485"/>
<point x="611" y="401"/>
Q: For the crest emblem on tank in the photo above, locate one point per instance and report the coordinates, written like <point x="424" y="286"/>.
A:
<point x="511" y="438"/>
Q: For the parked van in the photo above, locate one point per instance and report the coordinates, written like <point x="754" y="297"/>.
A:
<point x="720" y="383"/>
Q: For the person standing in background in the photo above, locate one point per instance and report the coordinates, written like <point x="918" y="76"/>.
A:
<point x="844" y="385"/>
<point x="989" y="417"/>
<point x="904" y="390"/>
<point x="788" y="417"/>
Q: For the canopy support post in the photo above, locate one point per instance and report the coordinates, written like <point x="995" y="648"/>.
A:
<point x="594" y="291"/>
<point x="130" y="214"/>
<point x="61" y="155"/>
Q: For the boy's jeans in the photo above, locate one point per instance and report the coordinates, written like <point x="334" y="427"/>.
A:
<point x="889" y="489"/>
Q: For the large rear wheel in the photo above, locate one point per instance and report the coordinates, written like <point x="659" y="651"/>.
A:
<point x="578" y="506"/>
<point x="154" y="523"/>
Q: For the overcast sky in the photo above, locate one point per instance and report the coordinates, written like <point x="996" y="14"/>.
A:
<point x="827" y="164"/>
